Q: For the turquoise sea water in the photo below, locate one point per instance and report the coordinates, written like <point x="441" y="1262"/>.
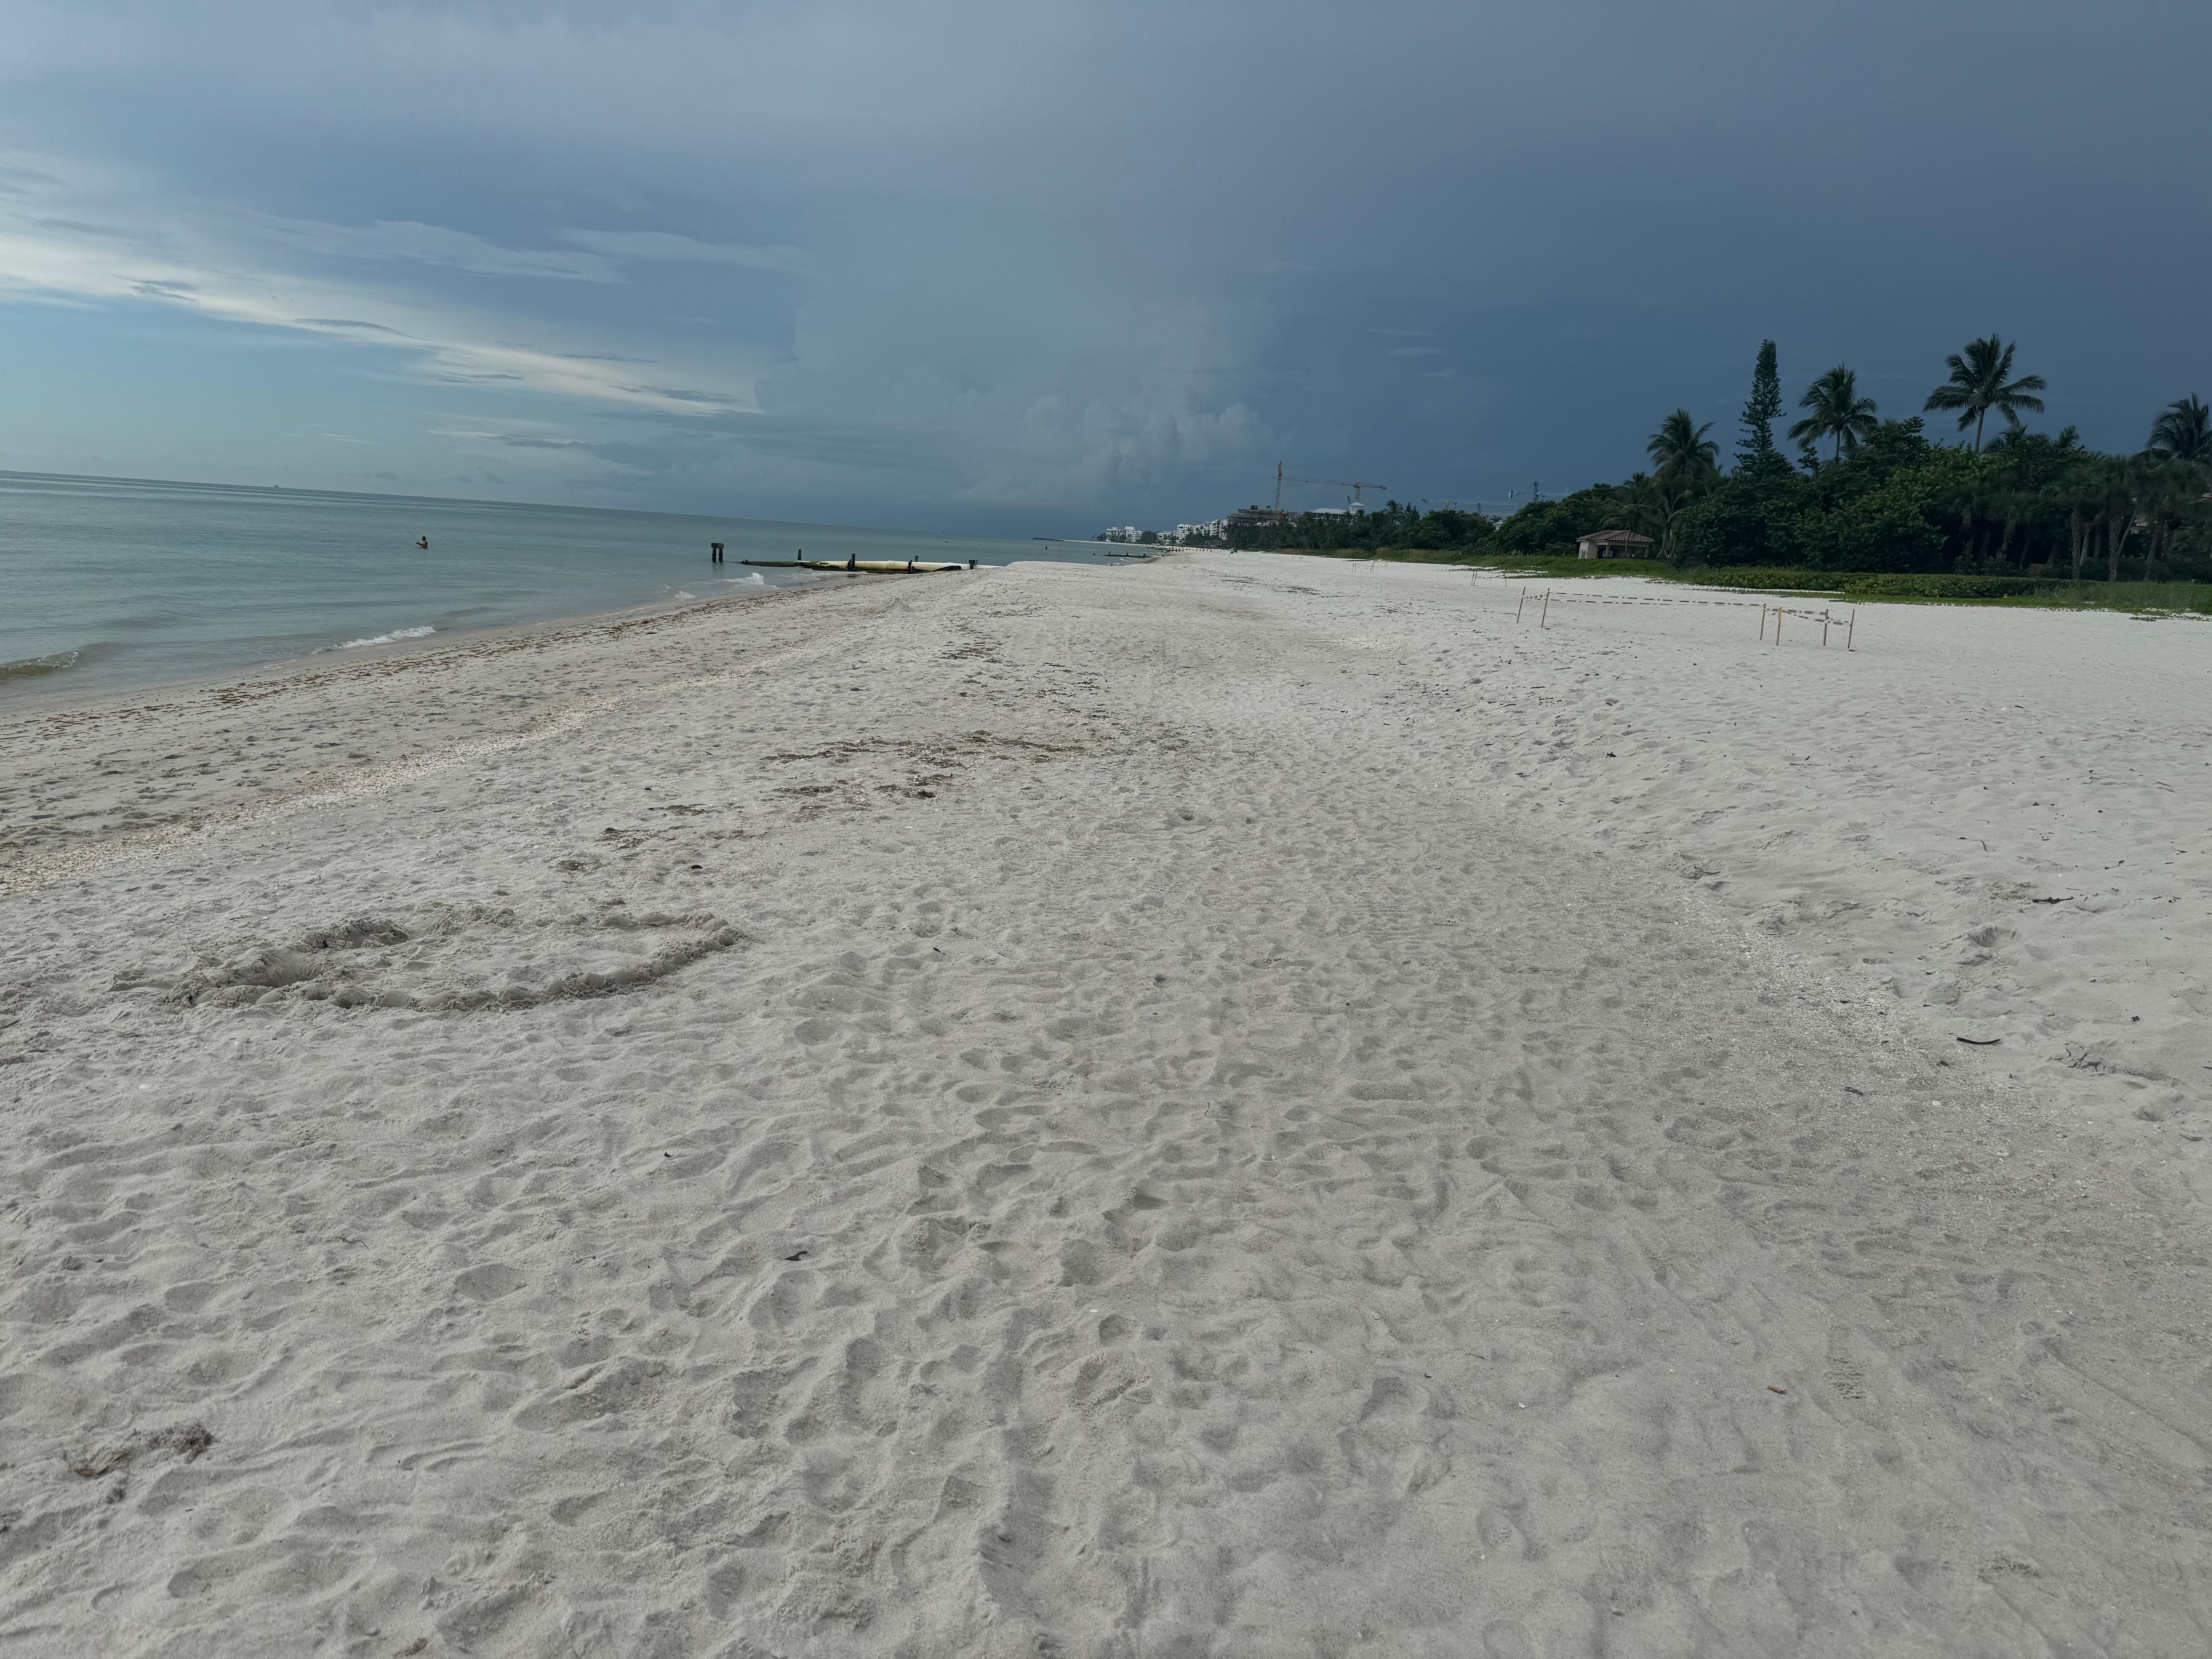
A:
<point x="106" y="584"/>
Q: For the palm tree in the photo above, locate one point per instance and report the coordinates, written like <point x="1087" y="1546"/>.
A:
<point x="2171" y="492"/>
<point x="1655" y="505"/>
<point x="2078" y="496"/>
<point x="2183" y="432"/>
<point x="1838" y="411"/>
<point x="1978" y="501"/>
<point x="1680" y="451"/>
<point x="1978" y="384"/>
<point x="2104" y="492"/>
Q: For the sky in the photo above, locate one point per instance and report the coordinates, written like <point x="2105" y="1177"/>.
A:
<point x="1033" y="270"/>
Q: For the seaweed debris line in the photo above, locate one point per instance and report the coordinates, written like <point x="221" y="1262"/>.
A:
<point x="865" y="566"/>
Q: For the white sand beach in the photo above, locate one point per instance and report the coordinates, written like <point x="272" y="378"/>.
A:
<point x="1242" y="1106"/>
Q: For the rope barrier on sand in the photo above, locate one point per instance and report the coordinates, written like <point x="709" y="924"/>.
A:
<point x="1645" y="599"/>
<point x="1825" y="617"/>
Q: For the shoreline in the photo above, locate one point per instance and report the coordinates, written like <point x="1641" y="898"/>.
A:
<point x="1132" y="1114"/>
<point x="200" y="720"/>
<point x="33" y="699"/>
<point x="171" y="583"/>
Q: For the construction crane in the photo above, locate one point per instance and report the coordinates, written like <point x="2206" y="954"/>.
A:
<point x="1354" y="485"/>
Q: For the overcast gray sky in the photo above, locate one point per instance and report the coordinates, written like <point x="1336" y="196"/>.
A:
<point x="1035" y="269"/>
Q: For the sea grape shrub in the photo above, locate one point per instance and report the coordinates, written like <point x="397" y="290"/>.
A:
<point x="1947" y="587"/>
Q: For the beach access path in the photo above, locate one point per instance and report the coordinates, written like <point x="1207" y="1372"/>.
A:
<point x="1241" y="1106"/>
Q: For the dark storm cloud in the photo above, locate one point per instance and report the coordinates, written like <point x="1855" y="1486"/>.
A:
<point x="1003" y="266"/>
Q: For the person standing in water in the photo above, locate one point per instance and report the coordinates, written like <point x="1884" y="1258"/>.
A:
<point x="423" y="542"/>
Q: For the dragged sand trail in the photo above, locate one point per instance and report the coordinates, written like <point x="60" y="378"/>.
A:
<point x="1195" y="1110"/>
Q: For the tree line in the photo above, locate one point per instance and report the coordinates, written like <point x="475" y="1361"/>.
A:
<point x="1864" y="492"/>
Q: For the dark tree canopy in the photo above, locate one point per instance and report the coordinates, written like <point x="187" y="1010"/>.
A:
<point x="1884" y="497"/>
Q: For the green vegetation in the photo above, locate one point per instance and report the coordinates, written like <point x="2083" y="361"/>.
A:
<point x="1760" y="411"/>
<point x="2019" y="519"/>
<point x="1847" y="586"/>
<point x="2183" y="432"/>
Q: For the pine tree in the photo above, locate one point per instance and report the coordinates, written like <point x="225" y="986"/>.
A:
<point x="1756" y="451"/>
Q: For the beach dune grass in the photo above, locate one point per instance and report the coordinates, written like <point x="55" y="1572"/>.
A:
<point x="2043" y="591"/>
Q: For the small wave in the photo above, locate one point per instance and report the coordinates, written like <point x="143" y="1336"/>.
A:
<point x="682" y="594"/>
<point x="393" y="638"/>
<point x="32" y="667"/>
<point x="750" y="578"/>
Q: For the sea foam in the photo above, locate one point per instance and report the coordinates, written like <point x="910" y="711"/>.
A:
<point x="393" y="638"/>
<point x="32" y="667"/>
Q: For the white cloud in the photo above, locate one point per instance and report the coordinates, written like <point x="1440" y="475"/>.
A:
<point x="509" y="440"/>
<point x="1110" y="448"/>
<point x="60" y="241"/>
<point x="1007" y="375"/>
<point x="433" y="245"/>
<point x="666" y="247"/>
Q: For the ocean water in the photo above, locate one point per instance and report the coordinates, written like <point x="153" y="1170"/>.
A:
<point x="107" y="583"/>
